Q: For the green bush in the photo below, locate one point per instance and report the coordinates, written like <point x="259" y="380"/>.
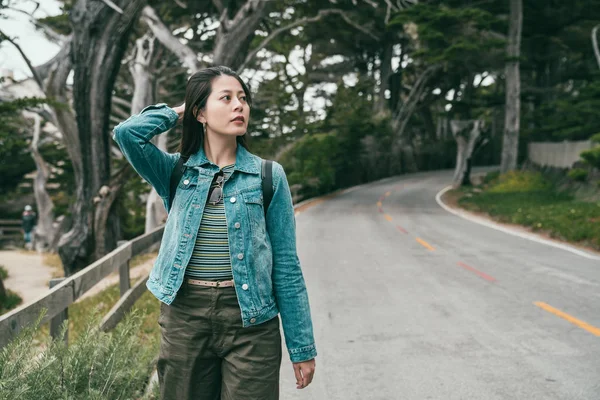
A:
<point x="97" y="365"/>
<point x="592" y="156"/>
<point x="528" y="199"/>
<point x="520" y="181"/>
<point x="578" y="174"/>
<point x="3" y="273"/>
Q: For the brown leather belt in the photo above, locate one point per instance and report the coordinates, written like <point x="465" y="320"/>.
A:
<point x="217" y="284"/>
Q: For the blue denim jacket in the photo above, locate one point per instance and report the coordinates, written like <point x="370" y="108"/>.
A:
<point x="266" y="269"/>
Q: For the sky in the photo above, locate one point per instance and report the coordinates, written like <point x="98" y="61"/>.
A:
<point x="33" y="43"/>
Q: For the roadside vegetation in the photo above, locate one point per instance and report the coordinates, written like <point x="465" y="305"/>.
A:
<point x="531" y="199"/>
<point x="8" y="298"/>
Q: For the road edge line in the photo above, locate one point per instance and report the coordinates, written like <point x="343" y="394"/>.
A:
<point x="490" y="224"/>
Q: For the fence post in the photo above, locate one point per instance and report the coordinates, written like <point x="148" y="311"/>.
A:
<point x="124" y="282"/>
<point x="57" y="321"/>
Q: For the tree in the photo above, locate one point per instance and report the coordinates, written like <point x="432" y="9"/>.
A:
<point x="510" y="145"/>
<point x="100" y="35"/>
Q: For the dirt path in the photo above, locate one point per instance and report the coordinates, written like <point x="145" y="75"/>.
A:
<point x="28" y="276"/>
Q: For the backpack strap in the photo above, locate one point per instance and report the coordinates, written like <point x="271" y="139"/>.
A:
<point x="267" y="183"/>
<point x="176" y="175"/>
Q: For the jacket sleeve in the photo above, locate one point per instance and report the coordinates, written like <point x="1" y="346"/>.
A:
<point x="133" y="137"/>
<point x="288" y="281"/>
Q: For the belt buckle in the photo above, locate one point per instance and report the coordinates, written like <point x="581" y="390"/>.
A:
<point x="218" y="283"/>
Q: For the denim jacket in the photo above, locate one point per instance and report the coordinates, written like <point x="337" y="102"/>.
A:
<point x="266" y="269"/>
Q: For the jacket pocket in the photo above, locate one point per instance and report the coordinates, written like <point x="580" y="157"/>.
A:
<point x="253" y="202"/>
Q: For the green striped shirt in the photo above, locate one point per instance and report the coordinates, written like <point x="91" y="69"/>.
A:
<point x="210" y="259"/>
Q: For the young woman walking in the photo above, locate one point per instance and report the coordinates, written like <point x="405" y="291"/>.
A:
<point x="226" y="267"/>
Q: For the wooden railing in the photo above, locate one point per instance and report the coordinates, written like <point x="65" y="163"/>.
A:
<point x="65" y="291"/>
<point x="10" y="228"/>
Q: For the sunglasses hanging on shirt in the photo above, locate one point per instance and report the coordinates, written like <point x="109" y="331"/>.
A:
<point x="216" y="192"/>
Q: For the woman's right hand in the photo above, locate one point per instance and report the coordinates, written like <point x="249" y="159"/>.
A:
<point x="179" y="110"/>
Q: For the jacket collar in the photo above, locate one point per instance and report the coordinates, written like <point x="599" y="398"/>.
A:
<point x="244" y="160"/>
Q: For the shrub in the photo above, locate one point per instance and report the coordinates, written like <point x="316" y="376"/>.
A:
<point x="490" y="177"/>
<point x="521" y="181"/>
<point x="592" y="156"/>
<point x="3" y="273"/>
<point x="97" y="365"/>
<point x="578" y="174"/>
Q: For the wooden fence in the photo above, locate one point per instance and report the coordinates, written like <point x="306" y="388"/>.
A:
<point x="10" y="229"/>
<point x="65" y="291"/>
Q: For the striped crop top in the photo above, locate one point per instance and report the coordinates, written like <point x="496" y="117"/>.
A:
<point x="210" y="259"/>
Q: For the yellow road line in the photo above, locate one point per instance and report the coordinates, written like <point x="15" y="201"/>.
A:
<point x="425" y="244"/>
<point x="584" y="325"/>
<point x="379" y="204"/>
<point x="388" y="217"/>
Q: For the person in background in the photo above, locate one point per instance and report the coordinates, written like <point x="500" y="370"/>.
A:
<point x="28" y="224"/>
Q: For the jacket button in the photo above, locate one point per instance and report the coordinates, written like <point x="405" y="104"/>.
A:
<point x="186" y="182"/>
<point x="252" y="320"/>
<point x="232" y="199"/>
<point x="240" y="256"/>
<point x="237" y="225"/>
<point x="245" y="286"/>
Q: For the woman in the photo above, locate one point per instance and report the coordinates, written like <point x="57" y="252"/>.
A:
<point x="225" y="268"/>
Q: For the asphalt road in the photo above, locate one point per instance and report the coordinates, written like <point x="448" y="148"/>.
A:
<point x="412" y="302"/>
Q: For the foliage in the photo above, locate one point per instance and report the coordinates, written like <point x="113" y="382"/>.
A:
<point x="529" y="199"/>
<point x="12" y="299"/>
<point x="578" y="174"/>
<point x="97" y="365"/>
<point x="592" y="156"/>
<point x="520" y="182"/>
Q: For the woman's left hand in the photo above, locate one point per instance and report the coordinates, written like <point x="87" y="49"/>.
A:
<point x="304" y="372"/>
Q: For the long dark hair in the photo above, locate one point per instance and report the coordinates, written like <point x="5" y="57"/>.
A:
<point x="197" y="90"/>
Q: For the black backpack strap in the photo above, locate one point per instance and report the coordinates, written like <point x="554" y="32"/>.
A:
<point x="267" y="183"/>
<point x="176" y="175"/>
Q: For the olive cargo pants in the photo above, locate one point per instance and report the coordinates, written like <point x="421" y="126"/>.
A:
<point x="205" y="354"/>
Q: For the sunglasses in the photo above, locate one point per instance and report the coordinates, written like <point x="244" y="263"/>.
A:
<point x="216" y="192"/>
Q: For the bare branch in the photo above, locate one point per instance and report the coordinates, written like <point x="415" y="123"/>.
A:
<point x="390" y="8"/>
<point x="181" y="4"/>
<point x="184" y="53"/>
<point x="113" y="6"/>
<point x="49" y="31"/>
<point x="302" y="21"/>
<point x="121" y="102"/>
<point x="219" y="5"/>
<point x="595" y="43"/>
<point x="372" y="3"/>
<point x="34" y="72"/>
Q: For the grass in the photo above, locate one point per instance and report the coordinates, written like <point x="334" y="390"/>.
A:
<point x="529" y="199"/>
<point x="120" y="361"/>
<point x="52" y="260"/>
<point x="12" y="300"/>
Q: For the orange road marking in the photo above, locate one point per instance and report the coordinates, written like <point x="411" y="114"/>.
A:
<point x="583" y="325"/>
<point x="425" y="244"/>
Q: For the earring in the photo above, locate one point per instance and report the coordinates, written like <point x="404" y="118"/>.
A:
<point x="204" y="126"/>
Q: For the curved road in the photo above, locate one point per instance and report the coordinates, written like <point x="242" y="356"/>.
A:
<point x="412" y="302"/>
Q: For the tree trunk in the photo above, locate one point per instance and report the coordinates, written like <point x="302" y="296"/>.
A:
<point x="510" y="145"/>
<point x="407" y="108"/>
<point x="44" y="231"/>
<point x="2" y="290"/>
<point x="99" y="41"/>
<point x="595" y="44"/>
<point x="468" y="139"/>
<point x="144" y="93"/>
<point x="385" y="72"/>
<point x="234" y="35"/>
